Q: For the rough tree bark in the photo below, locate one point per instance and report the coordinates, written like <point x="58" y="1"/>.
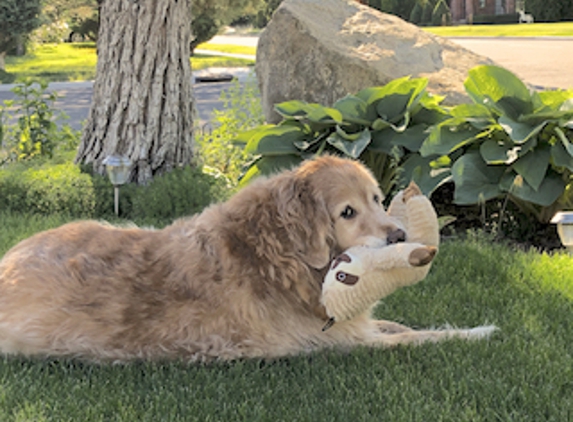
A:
<point x="142" y="99"/>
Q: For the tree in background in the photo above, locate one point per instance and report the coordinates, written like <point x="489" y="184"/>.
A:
<point x="550" y="10"/>
<point x="400" y="8"/>
<point x="17" y="19"/>
<point x="209" y="16"/>
<point x="142" y="96"/>
<point x="265" y="12"/>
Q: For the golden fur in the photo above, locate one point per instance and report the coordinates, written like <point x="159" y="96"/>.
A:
<point x="242" y="279"/>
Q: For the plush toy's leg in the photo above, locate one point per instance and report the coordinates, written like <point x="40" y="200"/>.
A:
<point x="415" y="337"/>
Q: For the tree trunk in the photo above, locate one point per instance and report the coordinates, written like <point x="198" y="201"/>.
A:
<point x="142" y="99"/>
<point x="2" y="60"/>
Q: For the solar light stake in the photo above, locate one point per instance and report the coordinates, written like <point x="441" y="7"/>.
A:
<point x="564" y="221"/>
<point x="118" y="169"/>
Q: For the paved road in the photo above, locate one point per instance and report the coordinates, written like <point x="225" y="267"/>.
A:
<point x="75" y="97"/>
<point x="544" y="62"/>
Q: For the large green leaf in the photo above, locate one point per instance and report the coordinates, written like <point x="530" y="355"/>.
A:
<point x="412" y="138"/>
<point x="477" y="115"/>
<point x="566" y="141"/>
<point x="520" y="132"/>
<point x="352" y="149"/>
<point x="533" y="165"/>
<point x="422" y="171"/>
<point x="549" y="191"/>
<point x="395" y="98"/>
<point x="495" y="151"/>
<point x="353" y="110"/>
<point x="293" y="109"/>
<point x="321" y="114"/>
<point x="268" y="165"/>
<point x="561" y="157"/>
<point x="449" y="136"/>
<point x="275" y="140"/>
<point x="498" y="88"/>
<point x="243" y="138"/>
<point x="476" y="182"/>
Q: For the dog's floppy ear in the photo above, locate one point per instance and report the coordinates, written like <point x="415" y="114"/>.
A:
<point x="307" y="218"/>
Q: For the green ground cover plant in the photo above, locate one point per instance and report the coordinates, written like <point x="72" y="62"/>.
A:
<point x="522" y="373"/>
<point x="555" y="29"/>
<point x="77" y="62"/>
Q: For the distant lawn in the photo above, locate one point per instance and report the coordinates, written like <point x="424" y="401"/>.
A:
<point x="77" y="62"/>
<point x="235" y="49"/>
<point x="55" y="62"/>
<point x="523" y="373"/>
<point x="557" y="29"/>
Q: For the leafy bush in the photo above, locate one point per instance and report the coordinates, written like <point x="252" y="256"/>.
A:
<point x="441" y="14"/>
<point x="47" y="189"/>
<point x="181" y="192"/>
<point x="511" y="142"/>
<point x="379" y="125"/>
<point x="416" y="13"/>
<point x="241" y="111"/>
<point x="35" y="132"/>
<point x="496" y="19"/>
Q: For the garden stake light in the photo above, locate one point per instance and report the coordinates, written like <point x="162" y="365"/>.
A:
<point x="118" y="169"/>
<point x="564" y="221"/>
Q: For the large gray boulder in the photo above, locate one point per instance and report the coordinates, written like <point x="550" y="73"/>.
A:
<point x="320" y="51"/>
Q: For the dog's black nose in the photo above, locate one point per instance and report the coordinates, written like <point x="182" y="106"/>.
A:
<point x="396" y="236"/>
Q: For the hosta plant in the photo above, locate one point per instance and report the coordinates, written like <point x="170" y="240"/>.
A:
<point x="378" y="125"/>
<point x="511" y="142"/>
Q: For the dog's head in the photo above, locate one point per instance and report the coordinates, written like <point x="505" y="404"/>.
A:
<point x="352" y="203"/>
<point x="308" y="216"/>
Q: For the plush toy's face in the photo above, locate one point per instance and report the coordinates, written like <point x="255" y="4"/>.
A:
<point x="345" y="271"/>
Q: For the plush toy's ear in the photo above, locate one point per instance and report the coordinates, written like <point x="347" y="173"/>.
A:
<point x="310" y="227"/>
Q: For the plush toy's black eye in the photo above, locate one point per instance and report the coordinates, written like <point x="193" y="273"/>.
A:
<point x="348" y="213"/>
<point x="340" y="276"/>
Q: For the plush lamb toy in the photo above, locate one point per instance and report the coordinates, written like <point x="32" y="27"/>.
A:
<point x="362" y="275"/>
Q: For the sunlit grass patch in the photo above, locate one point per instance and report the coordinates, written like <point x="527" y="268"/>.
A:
<point x="561" y="29"/>
<point x="77" y="62"/>
<point x="56" y="62"/>
<point x="223" y="48"/>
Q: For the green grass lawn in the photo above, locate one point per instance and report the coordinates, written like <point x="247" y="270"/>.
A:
<point x="523" y="373"/>
<point x="234" y="49"/>
<point x="557" y="29"/>
<point x="77" y="62"/>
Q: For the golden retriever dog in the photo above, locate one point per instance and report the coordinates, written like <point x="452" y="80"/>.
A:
<point x="242" y="279"/>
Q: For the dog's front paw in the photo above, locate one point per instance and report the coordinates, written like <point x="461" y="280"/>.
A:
<point x="422" y="256"/>
<point x="412" y="190"/>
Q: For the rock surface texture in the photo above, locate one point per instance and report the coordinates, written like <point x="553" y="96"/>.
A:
<point x="320" y="51"/>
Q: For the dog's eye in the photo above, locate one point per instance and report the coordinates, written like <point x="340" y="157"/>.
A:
<point x="377" y="199"/>
<point x="348" y="213"/>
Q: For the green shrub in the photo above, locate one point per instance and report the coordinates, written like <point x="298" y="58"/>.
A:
<point x="496" y="19"/>
<point x="416" y="14"/>
<point x="380" y="126"/>
<point x="510" y="143"/>
<point x="427" y="10"/>
<point x="241" y="111"/>
<point x="441" y="14"/>
<point x="47" y="189"/>
<point x="181" y="192"/>
<point x="35" y="133"/>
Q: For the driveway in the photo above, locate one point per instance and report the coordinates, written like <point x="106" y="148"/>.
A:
<point x="543" y="62"/>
